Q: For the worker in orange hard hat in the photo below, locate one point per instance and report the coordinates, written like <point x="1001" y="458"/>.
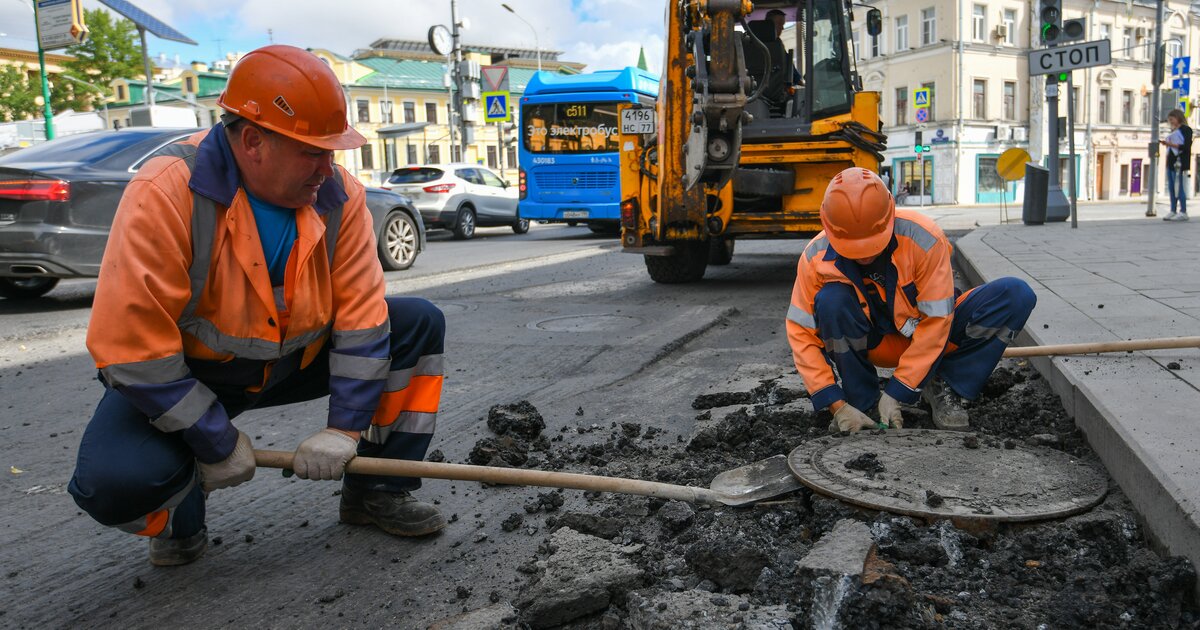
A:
<point x="875" y="289"/>
<point x="241" y="273"/>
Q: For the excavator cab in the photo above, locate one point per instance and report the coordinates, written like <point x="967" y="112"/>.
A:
<point x="754" y="117"/>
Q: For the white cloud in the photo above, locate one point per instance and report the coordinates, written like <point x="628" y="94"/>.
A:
<point x="601" y="33"/>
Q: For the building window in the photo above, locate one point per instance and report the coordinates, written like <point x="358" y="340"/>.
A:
<point x="1102" y="111"/>
<point x="1010" y="27"/>
<point x="1105" y="31"/>
<point x="385" y="111"/>
<point x="979" y="22"/>
<point x="1075" y="102"/>
<point x="902" y="106"/>
<point x="189" y="84"/>
<point x="435" y="154"/>
<point x="1175" y="46"/>
<point x="1127" y="42"/>
<point x="120" y="93"/>
<point x="1126" y="107"/>
<point x="456" y="153"/>
<point x="431" y="110"/>
<point x="1145" y="109"/>
<point x="411" y="155"/>
<point x="928" y="26"/>
<point x="410" y="112"/>
<point x="979" y="99"/>
<point x="364" y="110"/>
<point x="901" y="33"/>
<point x="855" y="37"/>
<point x="492" y="156"/>
<point x="1010" y="100"/>
<point x="932" y="109"/>
<point x="510" y="156"/>
<point x="988" y="177"/>
<point x="368" y="160"/>
<point x="877" y="45"/>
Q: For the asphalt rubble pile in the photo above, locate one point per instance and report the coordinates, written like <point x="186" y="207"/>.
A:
<point x="804" y="560"/>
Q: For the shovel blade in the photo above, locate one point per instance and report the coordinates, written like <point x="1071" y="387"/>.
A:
<point x="756" y="482"/>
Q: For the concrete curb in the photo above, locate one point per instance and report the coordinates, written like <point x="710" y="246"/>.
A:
<point x="1128" y="405"/>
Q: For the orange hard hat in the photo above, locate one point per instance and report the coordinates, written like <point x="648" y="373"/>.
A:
<point x="858" y="213"/>
<point x="291" y="91"/>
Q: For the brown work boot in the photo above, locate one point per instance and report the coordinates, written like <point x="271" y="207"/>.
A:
<point x="949" y="409"/>
<point x="173" y="552"/>
<point x="396" y="513"/>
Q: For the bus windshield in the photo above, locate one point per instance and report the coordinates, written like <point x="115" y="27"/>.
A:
<point x="570" y="128"/>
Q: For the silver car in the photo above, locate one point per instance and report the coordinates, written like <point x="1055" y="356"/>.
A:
<point x="459" y="197"/>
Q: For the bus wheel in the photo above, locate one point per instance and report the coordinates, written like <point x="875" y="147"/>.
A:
<point x="520" y="226"/>
<point x="687" y="264"/>
<point x="720" y="250"/>
<point x="572" y="223"/>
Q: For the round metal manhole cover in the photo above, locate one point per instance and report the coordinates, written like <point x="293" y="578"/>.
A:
<point x="586" y="323"/>
<point x="942" y="474"/>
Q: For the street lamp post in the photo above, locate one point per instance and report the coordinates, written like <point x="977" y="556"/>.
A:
<point x="536" y="45"/>
<point x="47" y="112"/>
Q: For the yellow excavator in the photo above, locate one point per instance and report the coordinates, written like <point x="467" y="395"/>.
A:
<point x="746" y="132"/>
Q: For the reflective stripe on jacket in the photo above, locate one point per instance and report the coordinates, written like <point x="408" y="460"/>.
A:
<point x="922" y="304"/>
<point x="184" y="280"/>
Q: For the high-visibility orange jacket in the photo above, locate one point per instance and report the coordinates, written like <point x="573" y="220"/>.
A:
<point x="164" y="348"/>
<point x="920" y="294"/>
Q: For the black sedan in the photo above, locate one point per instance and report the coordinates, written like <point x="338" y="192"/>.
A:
<point x="57" y="202"/>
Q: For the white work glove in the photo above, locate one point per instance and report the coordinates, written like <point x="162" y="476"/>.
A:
<point x="890" y="412"/>
<point x="850" y="419"/>
<point x="232" y="470"/>
<point x="323" y="455"/>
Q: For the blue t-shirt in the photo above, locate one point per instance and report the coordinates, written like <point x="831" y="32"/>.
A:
<point x="277" y="232"/>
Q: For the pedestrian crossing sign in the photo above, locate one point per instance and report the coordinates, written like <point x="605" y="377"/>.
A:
<point x="921" y="98"/>
<point x="495" y="107"/>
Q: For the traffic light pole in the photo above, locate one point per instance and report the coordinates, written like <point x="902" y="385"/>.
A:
<point x="1057" y="206"/>
<point x="1155" y="109"/>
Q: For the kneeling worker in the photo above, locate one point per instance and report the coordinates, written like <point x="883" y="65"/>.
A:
<point x="241" y="273"/>
<point x="875" y="288"/>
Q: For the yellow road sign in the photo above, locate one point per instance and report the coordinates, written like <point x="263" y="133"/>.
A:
<point x="1011" y="164"/>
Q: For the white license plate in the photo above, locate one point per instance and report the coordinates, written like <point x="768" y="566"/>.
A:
<point x="575" y="214"/>
<point x="640" y="120"/>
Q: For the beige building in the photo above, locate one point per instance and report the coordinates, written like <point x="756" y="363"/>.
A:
<point x="973" y="57"/>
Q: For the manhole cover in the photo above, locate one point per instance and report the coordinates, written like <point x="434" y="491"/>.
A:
<point x="935" y="474"/>
<point x="586" y="323"/>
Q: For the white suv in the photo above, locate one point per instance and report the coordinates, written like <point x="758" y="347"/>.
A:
<point x="459" y="197"/>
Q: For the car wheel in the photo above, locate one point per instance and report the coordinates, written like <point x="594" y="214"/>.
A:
<point x="397" y="242"/>
<point x="520" y="226"/>
<point x="26" y="288"/>
<point x="464" y="227"/>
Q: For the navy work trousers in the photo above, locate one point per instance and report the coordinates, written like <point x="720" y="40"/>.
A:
<point x="985" y="322"/>
<point x="127" y="469"/>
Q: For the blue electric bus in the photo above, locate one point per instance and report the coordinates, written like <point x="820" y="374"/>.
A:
<point x="569" y="142"/>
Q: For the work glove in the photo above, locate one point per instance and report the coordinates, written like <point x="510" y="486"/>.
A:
<point x="232" y="470"/>
<point x="323" y="455"/>
<point x="890" y="412"/>
<point x="850" y="419"/>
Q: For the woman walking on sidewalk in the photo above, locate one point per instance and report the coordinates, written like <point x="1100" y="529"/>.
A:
<point x="1179" y="154"/>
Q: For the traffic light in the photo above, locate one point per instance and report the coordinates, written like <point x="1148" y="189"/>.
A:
<point x="1050" y="12"/>
<point x="1072" y="30"/>
<point x="917" y="144"/>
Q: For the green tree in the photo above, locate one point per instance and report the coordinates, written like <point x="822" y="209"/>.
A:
<point x="112" y="51"/>
<point x="18" y="99"/>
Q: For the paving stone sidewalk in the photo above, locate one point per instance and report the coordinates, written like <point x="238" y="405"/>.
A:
<point x="1109" y="281"/>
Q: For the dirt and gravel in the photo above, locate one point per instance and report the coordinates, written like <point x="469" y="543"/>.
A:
<point x="804" y="560"/>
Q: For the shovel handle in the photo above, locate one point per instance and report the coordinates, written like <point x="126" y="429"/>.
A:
<point x="1166" y="343"/>
<point x="506" y="476"/>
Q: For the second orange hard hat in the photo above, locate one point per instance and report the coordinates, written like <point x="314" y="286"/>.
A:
<point x="858" y="213"/>
<point x="293" y="92"/>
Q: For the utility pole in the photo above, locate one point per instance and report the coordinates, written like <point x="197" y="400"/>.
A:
<point x="458" y="84"/>
<point x="1155" y="106"/>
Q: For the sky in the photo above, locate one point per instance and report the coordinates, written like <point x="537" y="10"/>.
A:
<point x="600" y="33"/>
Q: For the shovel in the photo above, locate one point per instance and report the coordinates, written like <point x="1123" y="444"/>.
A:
<point x="1166" y="343"/>
<point x="738" y="487"/>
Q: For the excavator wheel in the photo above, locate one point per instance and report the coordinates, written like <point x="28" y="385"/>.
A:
<point x="687" y="264"/>
<point x="720" y="250"/>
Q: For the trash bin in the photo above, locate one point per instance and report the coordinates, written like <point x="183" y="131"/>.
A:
<point x="1037" y="187"/>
